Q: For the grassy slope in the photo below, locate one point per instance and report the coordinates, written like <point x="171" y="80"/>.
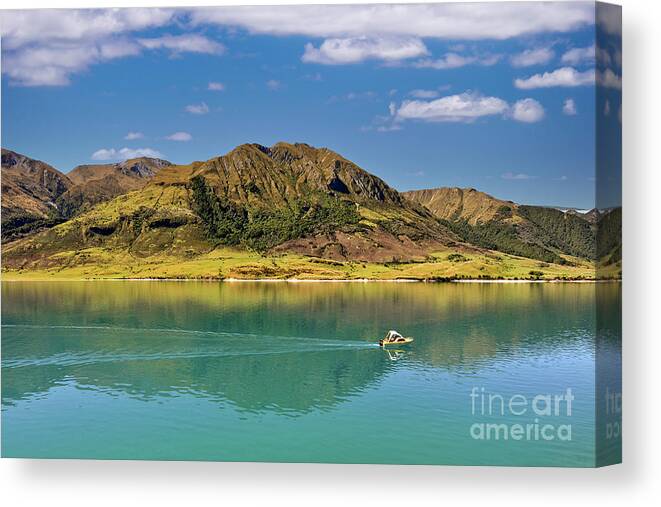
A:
<point x="232" y="263"/>
<point x="530" y="231"/>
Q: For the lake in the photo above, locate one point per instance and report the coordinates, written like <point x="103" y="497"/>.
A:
<point x="291" y="372"/>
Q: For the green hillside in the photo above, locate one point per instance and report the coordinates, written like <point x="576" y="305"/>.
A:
<point x="541" y="233"/>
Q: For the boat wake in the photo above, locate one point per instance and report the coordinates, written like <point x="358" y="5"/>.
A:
<point x="154" y="344"/>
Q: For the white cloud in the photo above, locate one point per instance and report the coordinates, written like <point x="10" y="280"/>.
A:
<point x="577" y="56"/>
<point x="43" y="26"/>
<point x="359" y="49"/>
<point x="569" y="107"/>
<point x="455" y="60"/>
<point x="118" y="49"/>
<point x="589" y="55"/>
<point x="516" y="176"/>
<point x="367" y="95"/>
<point x="46" y="47"/>
<point x="384" y="123"/>
<point x="273" y="84"/>
<point x="69" y="41"/>
<point x="132" y="136"/>
<point x="53" y="64"/>
<point x="448" y="61"/>
<point x="179" y="136"/>
<point x="531" y="57"/>
<point x="527" y="111"/>
<point x="125" y="153"/>
<point x="447" y="21"/>
<point x="201" y="108"/>
<point x="104" y="154"/>
<point x="609" y="79"/>
<point x="313" y="77"/>
<point x="187" y="43"/>
<point x="565" y="76"/>
<point x="48" y="66"/>
<point x="424" y="94"/>
<point x="467" y="21"/>
<point x="488" y="60"/>
<point x="215" y="86"/>
<point x="393" y="127"/>
<point x="392" y="108"/>
<point x="466" y="107"/>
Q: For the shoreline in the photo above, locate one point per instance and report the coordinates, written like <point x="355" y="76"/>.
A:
<point x="313" y="280"/>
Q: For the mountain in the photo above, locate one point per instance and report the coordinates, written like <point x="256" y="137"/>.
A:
<point x="30" y="186"/>
<point x="288" y="198"/>
<point x="283" y="172"/>
<point x="296" y="197"/>
<point x="537" y="232"/>
<point x="296" y="211"/>
<point x="30" y="190"/>
<point x="130" y="172"/>
<point x="609" y="237"/>
<point x="593" y="216"/>
<point x="467" y="204"/>
<point x="93" y="184"/>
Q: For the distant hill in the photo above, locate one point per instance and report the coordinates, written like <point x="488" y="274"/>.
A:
<point x="129" y="171"/>
<point x="36" y="196"/>
<point x="93" y="184"/>
<point x="30" y="189"/>
<point x="529" y="231"/>
<point x="30" y="186"/>
<point x="591" y="216"/>
<point x="467" y="204"/>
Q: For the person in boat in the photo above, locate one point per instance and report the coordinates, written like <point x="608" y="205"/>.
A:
<point x="392" y="336"/>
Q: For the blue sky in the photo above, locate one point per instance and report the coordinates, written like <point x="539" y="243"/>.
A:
<point x="500" y="97"/>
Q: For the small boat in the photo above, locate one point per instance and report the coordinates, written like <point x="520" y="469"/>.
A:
<point x="404" y="340"/>
<point x="394" y="338"/>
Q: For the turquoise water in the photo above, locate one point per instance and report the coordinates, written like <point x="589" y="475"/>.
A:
<point x="291" y="372"/>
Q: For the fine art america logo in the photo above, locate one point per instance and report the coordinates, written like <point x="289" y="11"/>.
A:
<point x="521" y="417"/>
